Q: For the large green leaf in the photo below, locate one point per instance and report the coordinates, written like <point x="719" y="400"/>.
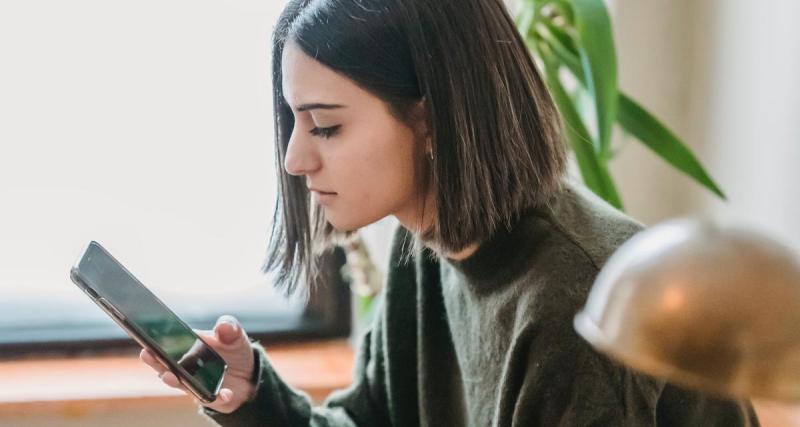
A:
<point x="593" y="169"/>
<point x="646" y="128"/>
<point x="563" y="47"/>
<point x="636" y="120"/>
<point x="599" y="62"/>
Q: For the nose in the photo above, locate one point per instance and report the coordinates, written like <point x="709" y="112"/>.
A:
<point x="302" y="157"/>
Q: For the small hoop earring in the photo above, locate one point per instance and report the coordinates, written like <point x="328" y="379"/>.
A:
<point x="429" y="147"/>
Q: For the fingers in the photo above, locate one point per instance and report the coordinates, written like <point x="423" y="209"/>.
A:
<point x="171" y="380"/>
<point x="209" y="337"/>
<point x="148" y="358"/>
<point x="227" y="318"/>
<point x="227" y="333"/>
<point x="228" y="330"/>
<point x="225" y="395"/>
<point x="163" y="373"/>
<point x="225" y="401"/>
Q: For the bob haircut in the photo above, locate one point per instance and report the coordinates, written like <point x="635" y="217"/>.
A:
<point x="495" y="133"/>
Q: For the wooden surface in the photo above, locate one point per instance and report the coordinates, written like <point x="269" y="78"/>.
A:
<point x="77" y="385"/>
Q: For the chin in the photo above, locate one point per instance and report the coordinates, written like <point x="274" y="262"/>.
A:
<point x="346" y="223"/>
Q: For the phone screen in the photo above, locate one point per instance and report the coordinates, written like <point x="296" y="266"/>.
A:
<point x="153" y="321"/>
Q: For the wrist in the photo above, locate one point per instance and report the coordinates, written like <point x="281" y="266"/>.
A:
<point x="255" y="374"/>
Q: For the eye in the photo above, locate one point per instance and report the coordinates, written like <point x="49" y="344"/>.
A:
<point x="325" y="132"/>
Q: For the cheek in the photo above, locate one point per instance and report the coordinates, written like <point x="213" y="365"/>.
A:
<point x="386" y="178"/>
<point x="376" y="177"/>
<point x="388" y="169"/>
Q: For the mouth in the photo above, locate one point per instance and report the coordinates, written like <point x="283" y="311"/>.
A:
<point x="321" y="192"/>
<point x="322" y="198"/>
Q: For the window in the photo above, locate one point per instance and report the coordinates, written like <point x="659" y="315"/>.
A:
<point x="146" y="126"/>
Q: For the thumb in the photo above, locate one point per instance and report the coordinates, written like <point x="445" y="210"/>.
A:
<point x="226" y="395"/>
<point x="228" y="330"/>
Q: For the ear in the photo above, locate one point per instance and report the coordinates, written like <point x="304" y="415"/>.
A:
<point x="419" y="119"/>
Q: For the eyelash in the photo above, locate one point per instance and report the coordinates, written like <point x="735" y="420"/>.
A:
<point x="325" y="132"/>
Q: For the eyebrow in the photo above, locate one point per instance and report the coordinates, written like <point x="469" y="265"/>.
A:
<point x="318" y="106"/>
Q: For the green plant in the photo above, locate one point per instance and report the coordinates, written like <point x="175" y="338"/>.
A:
<point x="573" y="42"/>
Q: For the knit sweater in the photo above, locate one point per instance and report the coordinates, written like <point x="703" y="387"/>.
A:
<point x="488" y="341"/>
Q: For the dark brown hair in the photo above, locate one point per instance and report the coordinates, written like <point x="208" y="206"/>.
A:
<point x="495" y="132"/>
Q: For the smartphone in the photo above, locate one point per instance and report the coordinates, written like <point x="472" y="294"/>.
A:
<point x="149" y="322"/>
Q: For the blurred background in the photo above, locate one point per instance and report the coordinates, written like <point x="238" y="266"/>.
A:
<point x="145" y="127"/>
<point x="148" y="126"/>
<point x="725" y="75"/>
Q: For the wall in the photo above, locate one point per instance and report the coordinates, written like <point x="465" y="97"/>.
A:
<point x="725" y="75"/>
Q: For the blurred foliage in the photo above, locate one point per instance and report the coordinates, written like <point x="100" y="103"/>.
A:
<point x="572" y="40"/>
<point x="364" y="277"/>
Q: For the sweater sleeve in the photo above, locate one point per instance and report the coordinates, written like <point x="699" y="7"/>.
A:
<point x="277" y="404"/>
<point x="365" y="403"/>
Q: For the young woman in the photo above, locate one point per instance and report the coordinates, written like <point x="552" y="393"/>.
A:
<point x="432" y="111"/>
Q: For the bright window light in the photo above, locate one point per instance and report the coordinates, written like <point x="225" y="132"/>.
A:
<point x="146" y="126"/>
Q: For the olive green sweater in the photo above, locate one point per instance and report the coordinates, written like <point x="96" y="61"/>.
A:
<point x="488" y="341"/>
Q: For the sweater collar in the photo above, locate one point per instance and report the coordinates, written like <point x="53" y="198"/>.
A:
<point x="503" y="257"/>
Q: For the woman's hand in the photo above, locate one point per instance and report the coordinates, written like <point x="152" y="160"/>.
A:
<point x="231" y="342"/>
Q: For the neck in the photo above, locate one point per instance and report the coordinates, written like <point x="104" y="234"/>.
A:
<point x="411" y="220"/>
<point x="462" y="254"/>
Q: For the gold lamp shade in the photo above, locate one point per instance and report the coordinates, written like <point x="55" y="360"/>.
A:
<point x="701" y="305"/>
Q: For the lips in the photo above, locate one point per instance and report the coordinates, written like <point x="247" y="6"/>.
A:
<point x="315" y="190"/>
<point x="323" y="198"/>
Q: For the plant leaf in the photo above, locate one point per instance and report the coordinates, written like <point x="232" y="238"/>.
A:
<point x="638" y="122"/>
<point x="563" y="48"/>
<point x="593" y="169"/>
<point x="647" y="129"/>
<point x="599" y="62"/>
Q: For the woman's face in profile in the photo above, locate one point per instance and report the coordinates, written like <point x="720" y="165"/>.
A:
<point x="356" y="157"/>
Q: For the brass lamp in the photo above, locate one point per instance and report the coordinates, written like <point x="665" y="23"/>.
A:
<point x="705" y="306"/>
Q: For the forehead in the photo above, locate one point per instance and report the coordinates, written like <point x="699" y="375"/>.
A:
<point x="306" y="80"/>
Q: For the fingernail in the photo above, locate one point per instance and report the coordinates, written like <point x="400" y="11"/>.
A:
<point x="227" y="322"/>
<point x="227" y="319"/>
